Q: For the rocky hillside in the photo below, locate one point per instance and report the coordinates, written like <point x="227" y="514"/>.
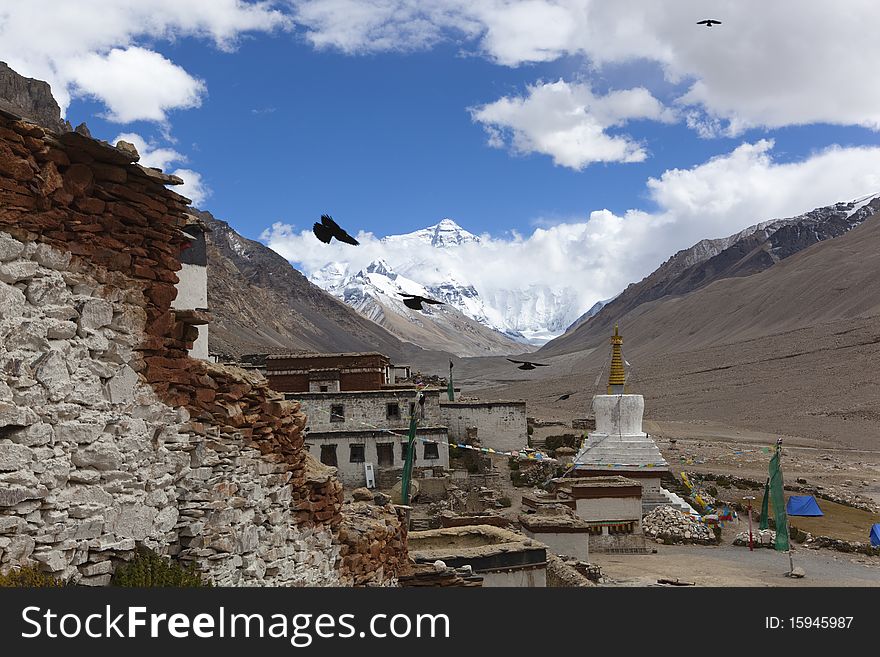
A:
<point x="260" y="303"/>
<point x="743" y="254"/>
<point x="31" y="99"/>
<point x="792" y="350"/>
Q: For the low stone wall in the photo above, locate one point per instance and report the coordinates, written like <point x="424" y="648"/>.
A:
<point x="561" y="575"/>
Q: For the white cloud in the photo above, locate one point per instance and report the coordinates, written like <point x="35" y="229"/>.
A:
<point x="135" y="83"/>
<point x="769" y="64"/>
<point x="568" y="122"/>
<point x="151" y="155"/>
<point x="100" y="49"/>
<point x="193" y="187"/>
<point x="597" y="256"/>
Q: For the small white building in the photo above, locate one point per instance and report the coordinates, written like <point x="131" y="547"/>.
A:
<point x="611" y="507"/>
<point x="350" y="429"/>
<point x="563" y="533"/>
<point x="350" y="451"/>
<point x="363" y="410"/>
<point x="500" y="425"/>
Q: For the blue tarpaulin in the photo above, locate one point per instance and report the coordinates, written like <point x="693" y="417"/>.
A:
<point x="803" y="505"/>
<point x="875" y="535"/>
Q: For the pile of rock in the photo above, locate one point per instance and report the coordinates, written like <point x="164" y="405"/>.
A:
<point x="438" y="574"/>
<point x="373" y="538"/>
<point x="666" y="524"/>
<point x="816" y="542"/>
<point x="760" y="538"/>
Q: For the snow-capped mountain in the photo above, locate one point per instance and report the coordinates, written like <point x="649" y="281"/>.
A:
<point x="375" y="292"/>
<point x="530" y="314"/>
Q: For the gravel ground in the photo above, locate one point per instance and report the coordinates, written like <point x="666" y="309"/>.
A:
<point x="727" y="565"/>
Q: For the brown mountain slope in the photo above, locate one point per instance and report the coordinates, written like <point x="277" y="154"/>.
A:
<point x="792" y="350"/>
<point x="748" y="252"/>
<point x="260" y="303"/>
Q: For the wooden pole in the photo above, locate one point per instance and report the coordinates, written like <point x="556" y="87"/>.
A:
<point x="787" y="521"/>
<point x="751" y="540"/>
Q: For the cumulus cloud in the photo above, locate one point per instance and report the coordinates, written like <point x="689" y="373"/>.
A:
<point x="153" y="155"/>
<point x="770" y="64"/>
<point x="99" y="49"/>
<point x="135" y="83"/>
<point x="595" y="257"/>
<point x="568" y="122"/>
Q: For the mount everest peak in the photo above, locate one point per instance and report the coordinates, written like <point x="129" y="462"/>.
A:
<point x="432" y="262"/>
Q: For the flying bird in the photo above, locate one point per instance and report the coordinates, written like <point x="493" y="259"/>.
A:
<point x="709" y="22"/>
<point x="415" y="302"/>
<point x="527" y="365"/>
<point x="328" y="229"/>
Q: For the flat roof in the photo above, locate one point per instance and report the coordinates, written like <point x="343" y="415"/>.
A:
<point x="548" y="522"/>
<point x="454" y="544"/>
<point x="390" y="392"/>
<point x="500" y="402"/>
<point x="615" y="481"/>
<point x="311" y="354"/>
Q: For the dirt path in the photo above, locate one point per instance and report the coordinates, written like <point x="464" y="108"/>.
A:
<point x="729" y="565"/>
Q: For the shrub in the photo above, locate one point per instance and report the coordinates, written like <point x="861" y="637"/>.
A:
<point x="505" y="501"/>
<point x="148" y="569"/>
<point x="29" y="577"/>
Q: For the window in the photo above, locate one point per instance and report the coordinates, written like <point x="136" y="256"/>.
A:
<point x="392" y="411"/>
<point x="356" y="454"/>
<point x="328" y="455"/>
<point x="337" y="413"/>
<point x="323" y="388"/>
<point x="432" y="451"/>
<point x="385" y="454"/>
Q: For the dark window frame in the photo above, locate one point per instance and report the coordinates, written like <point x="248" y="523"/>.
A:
<point x="337" y="416"/>
<point x="389" y="451"/>
<point x="330" y="448"/>
<point x="395" y="415"/>
<point x="352" y="448"/>
<point x="434" y="453"/>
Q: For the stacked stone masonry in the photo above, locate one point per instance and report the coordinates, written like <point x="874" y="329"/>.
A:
<point x="110" y="435"/>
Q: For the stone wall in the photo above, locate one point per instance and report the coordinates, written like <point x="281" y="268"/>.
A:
<point x="500" y="425"/>
<point x="110" y="435"/>
<point x="352" y="474"/>
<point x="367" y="409"/>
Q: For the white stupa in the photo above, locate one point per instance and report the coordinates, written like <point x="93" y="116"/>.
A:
<point x="618" y="446"/>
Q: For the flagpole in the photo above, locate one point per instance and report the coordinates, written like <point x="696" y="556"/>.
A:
<point x="787" y="520"/>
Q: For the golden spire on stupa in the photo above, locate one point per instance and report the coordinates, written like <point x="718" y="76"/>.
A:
<point x="617" y="375"/>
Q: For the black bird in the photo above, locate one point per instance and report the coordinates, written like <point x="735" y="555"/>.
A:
<point x="709" y="22"/>
<point x="566" y="396"/>
<point x="328" y="229"/>
<point x="527" y="365"/>
<point x="415" y="302"/>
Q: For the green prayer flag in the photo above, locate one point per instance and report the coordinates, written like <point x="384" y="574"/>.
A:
<point x="778" y="498"/>
<point x="450" y="389"/>
<point x="408" y="464"/>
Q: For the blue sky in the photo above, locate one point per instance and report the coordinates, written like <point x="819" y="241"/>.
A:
<point x="584" y="127"/>
<point x="385" y="142"/>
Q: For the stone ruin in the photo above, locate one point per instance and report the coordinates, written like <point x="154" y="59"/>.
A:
<point x="111" y="436"/>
